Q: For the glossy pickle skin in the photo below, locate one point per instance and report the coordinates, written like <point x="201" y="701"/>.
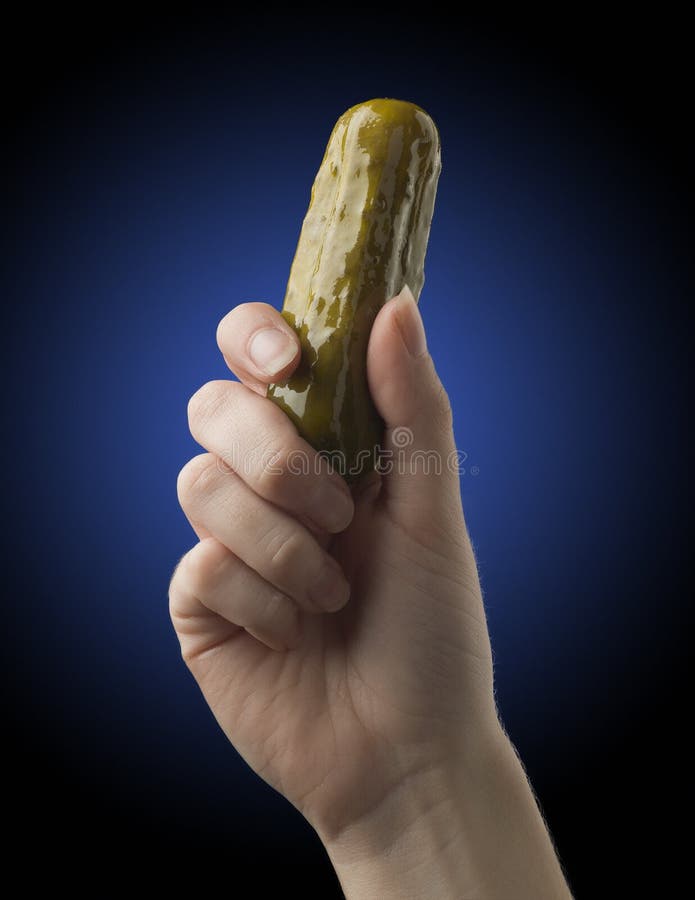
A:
<point x="364" y="237"/>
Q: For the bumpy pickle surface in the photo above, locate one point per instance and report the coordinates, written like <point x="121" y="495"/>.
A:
<point x="364" y="237"/>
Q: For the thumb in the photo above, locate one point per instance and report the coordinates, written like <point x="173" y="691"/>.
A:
<point x="420" y="462"/>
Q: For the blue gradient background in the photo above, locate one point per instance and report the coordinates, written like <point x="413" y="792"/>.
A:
<point x="162" y="181"/>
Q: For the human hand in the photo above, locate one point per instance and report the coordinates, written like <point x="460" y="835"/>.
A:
<point x="341" y="640"/>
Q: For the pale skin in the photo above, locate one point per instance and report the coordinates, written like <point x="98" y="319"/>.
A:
<point x="339" y="636"/>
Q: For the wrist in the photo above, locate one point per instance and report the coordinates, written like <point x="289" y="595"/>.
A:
<point x="467" y="828"/>
<point x="412" y="843"/>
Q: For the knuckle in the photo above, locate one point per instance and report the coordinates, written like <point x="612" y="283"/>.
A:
<point x="284" y="550"/>
<point x="206" y="403"/>
<point x="195" y="479"/>
<point x="275" y="610"/>
<point x="200" y="566"/>
<point x="271" y="468"/>
<point x="176" y="589"/>
<point x="275" y="606"/>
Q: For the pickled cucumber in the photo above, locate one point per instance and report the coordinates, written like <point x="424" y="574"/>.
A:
<point x="364" y="237"/>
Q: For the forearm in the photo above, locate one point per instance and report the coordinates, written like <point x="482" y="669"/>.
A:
<point x="474" y="834"/>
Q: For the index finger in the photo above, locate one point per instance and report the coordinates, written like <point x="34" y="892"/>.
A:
<point x="258" y="345"/>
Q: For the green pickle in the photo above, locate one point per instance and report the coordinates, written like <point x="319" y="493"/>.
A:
<point x="364" y="237"/>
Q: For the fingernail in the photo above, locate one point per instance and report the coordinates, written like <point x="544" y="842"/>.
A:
<point x="272" y="350"/>
<point x="332" y="507"/>
<point x="410" y="323"/>
<point x="330" y="592"/>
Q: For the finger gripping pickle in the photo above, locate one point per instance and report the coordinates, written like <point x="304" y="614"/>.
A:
<point x="364" y="237"/>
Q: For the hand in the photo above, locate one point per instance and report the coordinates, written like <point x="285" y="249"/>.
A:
<point x="341" y="640"/>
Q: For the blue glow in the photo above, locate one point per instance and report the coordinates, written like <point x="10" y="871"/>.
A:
<point x="158" y="205"/>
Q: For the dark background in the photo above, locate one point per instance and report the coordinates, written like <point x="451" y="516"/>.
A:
<point x="158" y="173"/>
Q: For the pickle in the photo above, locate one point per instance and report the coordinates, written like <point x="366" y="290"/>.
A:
<point x="364" y="237"/>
